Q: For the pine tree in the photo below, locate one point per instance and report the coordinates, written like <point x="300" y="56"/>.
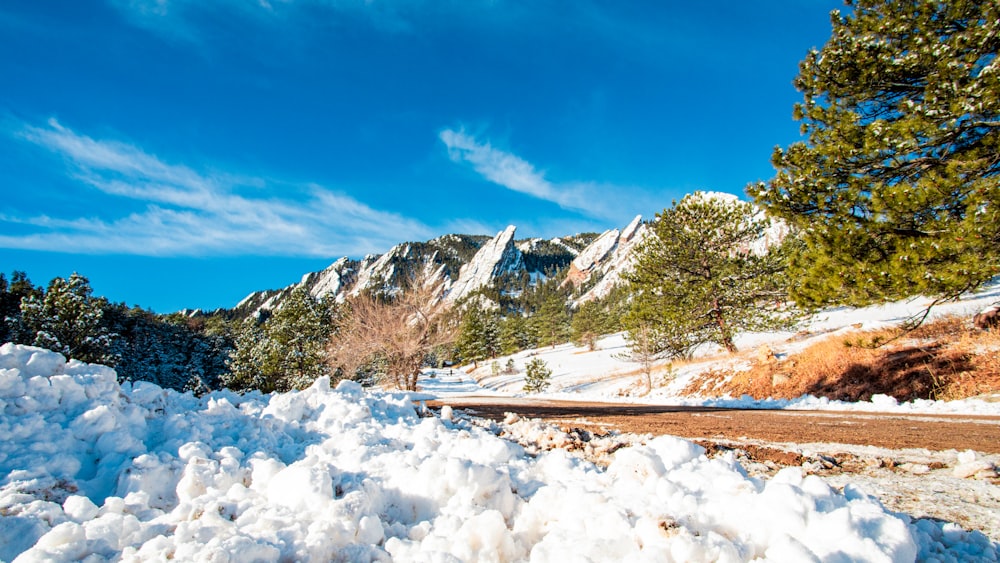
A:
<point x="479" y="335"/>
<point x="516" y="334"/>
<point x="286" y="350"/>
<point x="68" y="320"/>
<point x="12" y="327"/>
<point x="551" y="321"/>
<point x="174" y="351"/>
<point x="895" y="191"/>
<point x="590" y="322"/>
<point x="536" y="376"/>
<point x="246" y="360"/>
<point x="697" y="279"/>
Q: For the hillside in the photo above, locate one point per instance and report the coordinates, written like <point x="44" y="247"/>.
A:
<point x="828" y="357"/>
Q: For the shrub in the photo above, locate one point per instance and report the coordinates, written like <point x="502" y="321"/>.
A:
<point x="537" y="374"/>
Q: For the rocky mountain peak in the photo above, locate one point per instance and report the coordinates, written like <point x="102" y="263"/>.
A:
<point x="496" y="256"/>
<point x="606" y="259"/>
<point x="604" y="255"/>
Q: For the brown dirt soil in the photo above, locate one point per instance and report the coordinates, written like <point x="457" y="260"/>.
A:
<point x="892" y="431"/>
<point x="946" y="359"/>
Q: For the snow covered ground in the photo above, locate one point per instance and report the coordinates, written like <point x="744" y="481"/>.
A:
<point x="603" y="374"/>
<point x="92" y="470"/>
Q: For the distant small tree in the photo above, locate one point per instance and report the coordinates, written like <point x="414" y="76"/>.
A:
<point x="509" y="369"/>
<point x="516" y="334"/>
<point x="536" y="376"/>
<point x="590" y="322"/>
<point x="644" y="350"/>
<point x="699" y="279"/>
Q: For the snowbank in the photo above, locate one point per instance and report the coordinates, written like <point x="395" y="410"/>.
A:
<point x="94" y="469"/>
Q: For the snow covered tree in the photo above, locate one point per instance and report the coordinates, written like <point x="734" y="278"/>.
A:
<point x="697" y="278"/>
<point x="895" y="191"/>
<point x="172" y="351"/>
<point x="536" y="376"/>
<point x="68" y="319"/>
<point x="285" y="351"/>
<point x="12" y="328"/>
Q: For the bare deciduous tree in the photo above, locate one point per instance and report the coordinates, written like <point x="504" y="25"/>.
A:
<point x="397" y="331"/>
<point x="643" y="351"/>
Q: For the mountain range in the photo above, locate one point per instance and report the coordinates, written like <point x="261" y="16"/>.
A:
<point x="592" y="263"/>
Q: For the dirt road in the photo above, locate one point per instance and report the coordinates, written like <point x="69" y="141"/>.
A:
<point x="892" y="431"/>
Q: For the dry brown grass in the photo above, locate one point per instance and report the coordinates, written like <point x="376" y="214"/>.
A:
<point x="945" y="359"/>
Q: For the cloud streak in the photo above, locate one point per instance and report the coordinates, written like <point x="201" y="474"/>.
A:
<point x="192" y="213"/>
<point x="516" y="174"/>
<point x="184" y="18"/>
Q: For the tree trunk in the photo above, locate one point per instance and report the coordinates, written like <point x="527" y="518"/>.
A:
<point x="727" y="339"/>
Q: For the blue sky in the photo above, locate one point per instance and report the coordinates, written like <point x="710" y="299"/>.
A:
<point x="183" y="153"/>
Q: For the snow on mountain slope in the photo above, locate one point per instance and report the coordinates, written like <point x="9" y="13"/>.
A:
<point x="495" y="257"/>
<point x="560" y="242"/>
<point x="94" y="470"/>
<point x="376" y="269"/>
<point x="581" y="266"/>
<point x="331" y="281"/>
<point x="609" y="259"/>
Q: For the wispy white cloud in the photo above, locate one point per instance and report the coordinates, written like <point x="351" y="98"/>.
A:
<point x="194" y="213"/>
<point x="514" y="173"/>
<point x="178" y="18"/>
<point x="497" y="166"/>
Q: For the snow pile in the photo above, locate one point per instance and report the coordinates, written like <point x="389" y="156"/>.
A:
<point x="94" y="469"/>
